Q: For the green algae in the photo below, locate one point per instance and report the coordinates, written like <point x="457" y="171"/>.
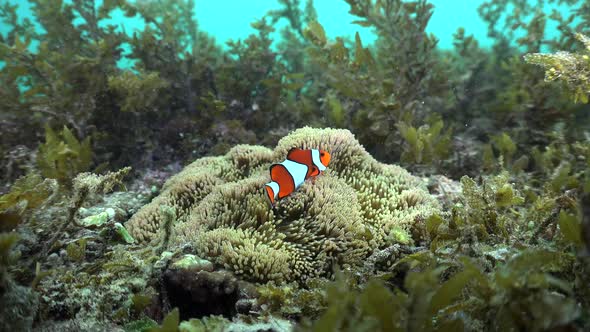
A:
<point x="63" y="156"/>
<point x="77" y="250"/>
<point x="98" y="220"/>
<point x="27" y="193"/>
<point x="573" y="69"/>
<point x="426" y="144"/>
<point x="211" y="323"/>
<point x="192" y="262"/>
<point x="170" y="322"/>
<point x="7" y="241"/>
<point x="140" y="325"/>
<point x="124" y="234"/>
<point x="461" y="301"/>
<point x="137" y="93"/>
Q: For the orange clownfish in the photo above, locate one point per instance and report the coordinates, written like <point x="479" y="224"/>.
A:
<point x="299" y="166"/>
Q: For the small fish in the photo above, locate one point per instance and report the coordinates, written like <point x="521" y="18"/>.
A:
<point x="299" y="166"/>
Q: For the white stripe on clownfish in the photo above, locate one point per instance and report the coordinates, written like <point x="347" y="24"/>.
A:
<point x="296" y="170"/>
<point x="275" y="188"/>
<point x="315" y="156"/>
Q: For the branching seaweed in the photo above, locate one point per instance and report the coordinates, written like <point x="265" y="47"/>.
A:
<point x="63" y="156"/>
<point x="571" y="68"/>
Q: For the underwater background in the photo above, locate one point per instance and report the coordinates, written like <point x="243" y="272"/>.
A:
<point x="446" y="148"/>
<point x="215" y="18"/>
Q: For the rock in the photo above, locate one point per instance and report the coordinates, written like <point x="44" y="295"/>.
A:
<point x="164" y="260"/>
<point x="198" y="292"/>
<point x="446" y="191"/>
<point x="54" y="259"/>
<point x="244" y="306"/>
<point x="498" y="254"/>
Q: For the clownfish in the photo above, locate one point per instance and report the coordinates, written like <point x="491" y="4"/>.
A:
<point x="299" y="166"/>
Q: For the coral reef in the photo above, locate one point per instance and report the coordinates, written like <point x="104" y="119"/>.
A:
<point x="358" y="205"/>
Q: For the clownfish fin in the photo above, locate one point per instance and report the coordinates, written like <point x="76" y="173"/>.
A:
<point x="314" y="171"/>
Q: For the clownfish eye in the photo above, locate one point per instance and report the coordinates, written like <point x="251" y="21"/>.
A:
<point x="322" y="154"/>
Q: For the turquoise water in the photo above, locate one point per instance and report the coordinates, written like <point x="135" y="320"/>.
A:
<point x="334" y="16"/>
<point x="231" y="19"/>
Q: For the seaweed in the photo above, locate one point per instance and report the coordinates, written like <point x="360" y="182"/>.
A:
<point x="76" y="250"/>
<point x="26" y="194"/>
<point x="62" y="79"/>
<point x="571" y="228"/>
<point x="505" y="146"/>
<point x="211" y="323"/>
<point x="528" y="24"/>
<point x="63" y="156"/>
<point x="7" y="241"/>
<point x="485" y="214"/>
<point x="138" y="92"/>
<point x="426" y="144"/>
<point x="573" y="69"/>
<point x="380" y="87"/>
<point x="140" y="325"/>
<point x="289" y="300"/>
<point x="522" y="287"/>
<point x="306" y="77"/>
<point x="170" y="322"/>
